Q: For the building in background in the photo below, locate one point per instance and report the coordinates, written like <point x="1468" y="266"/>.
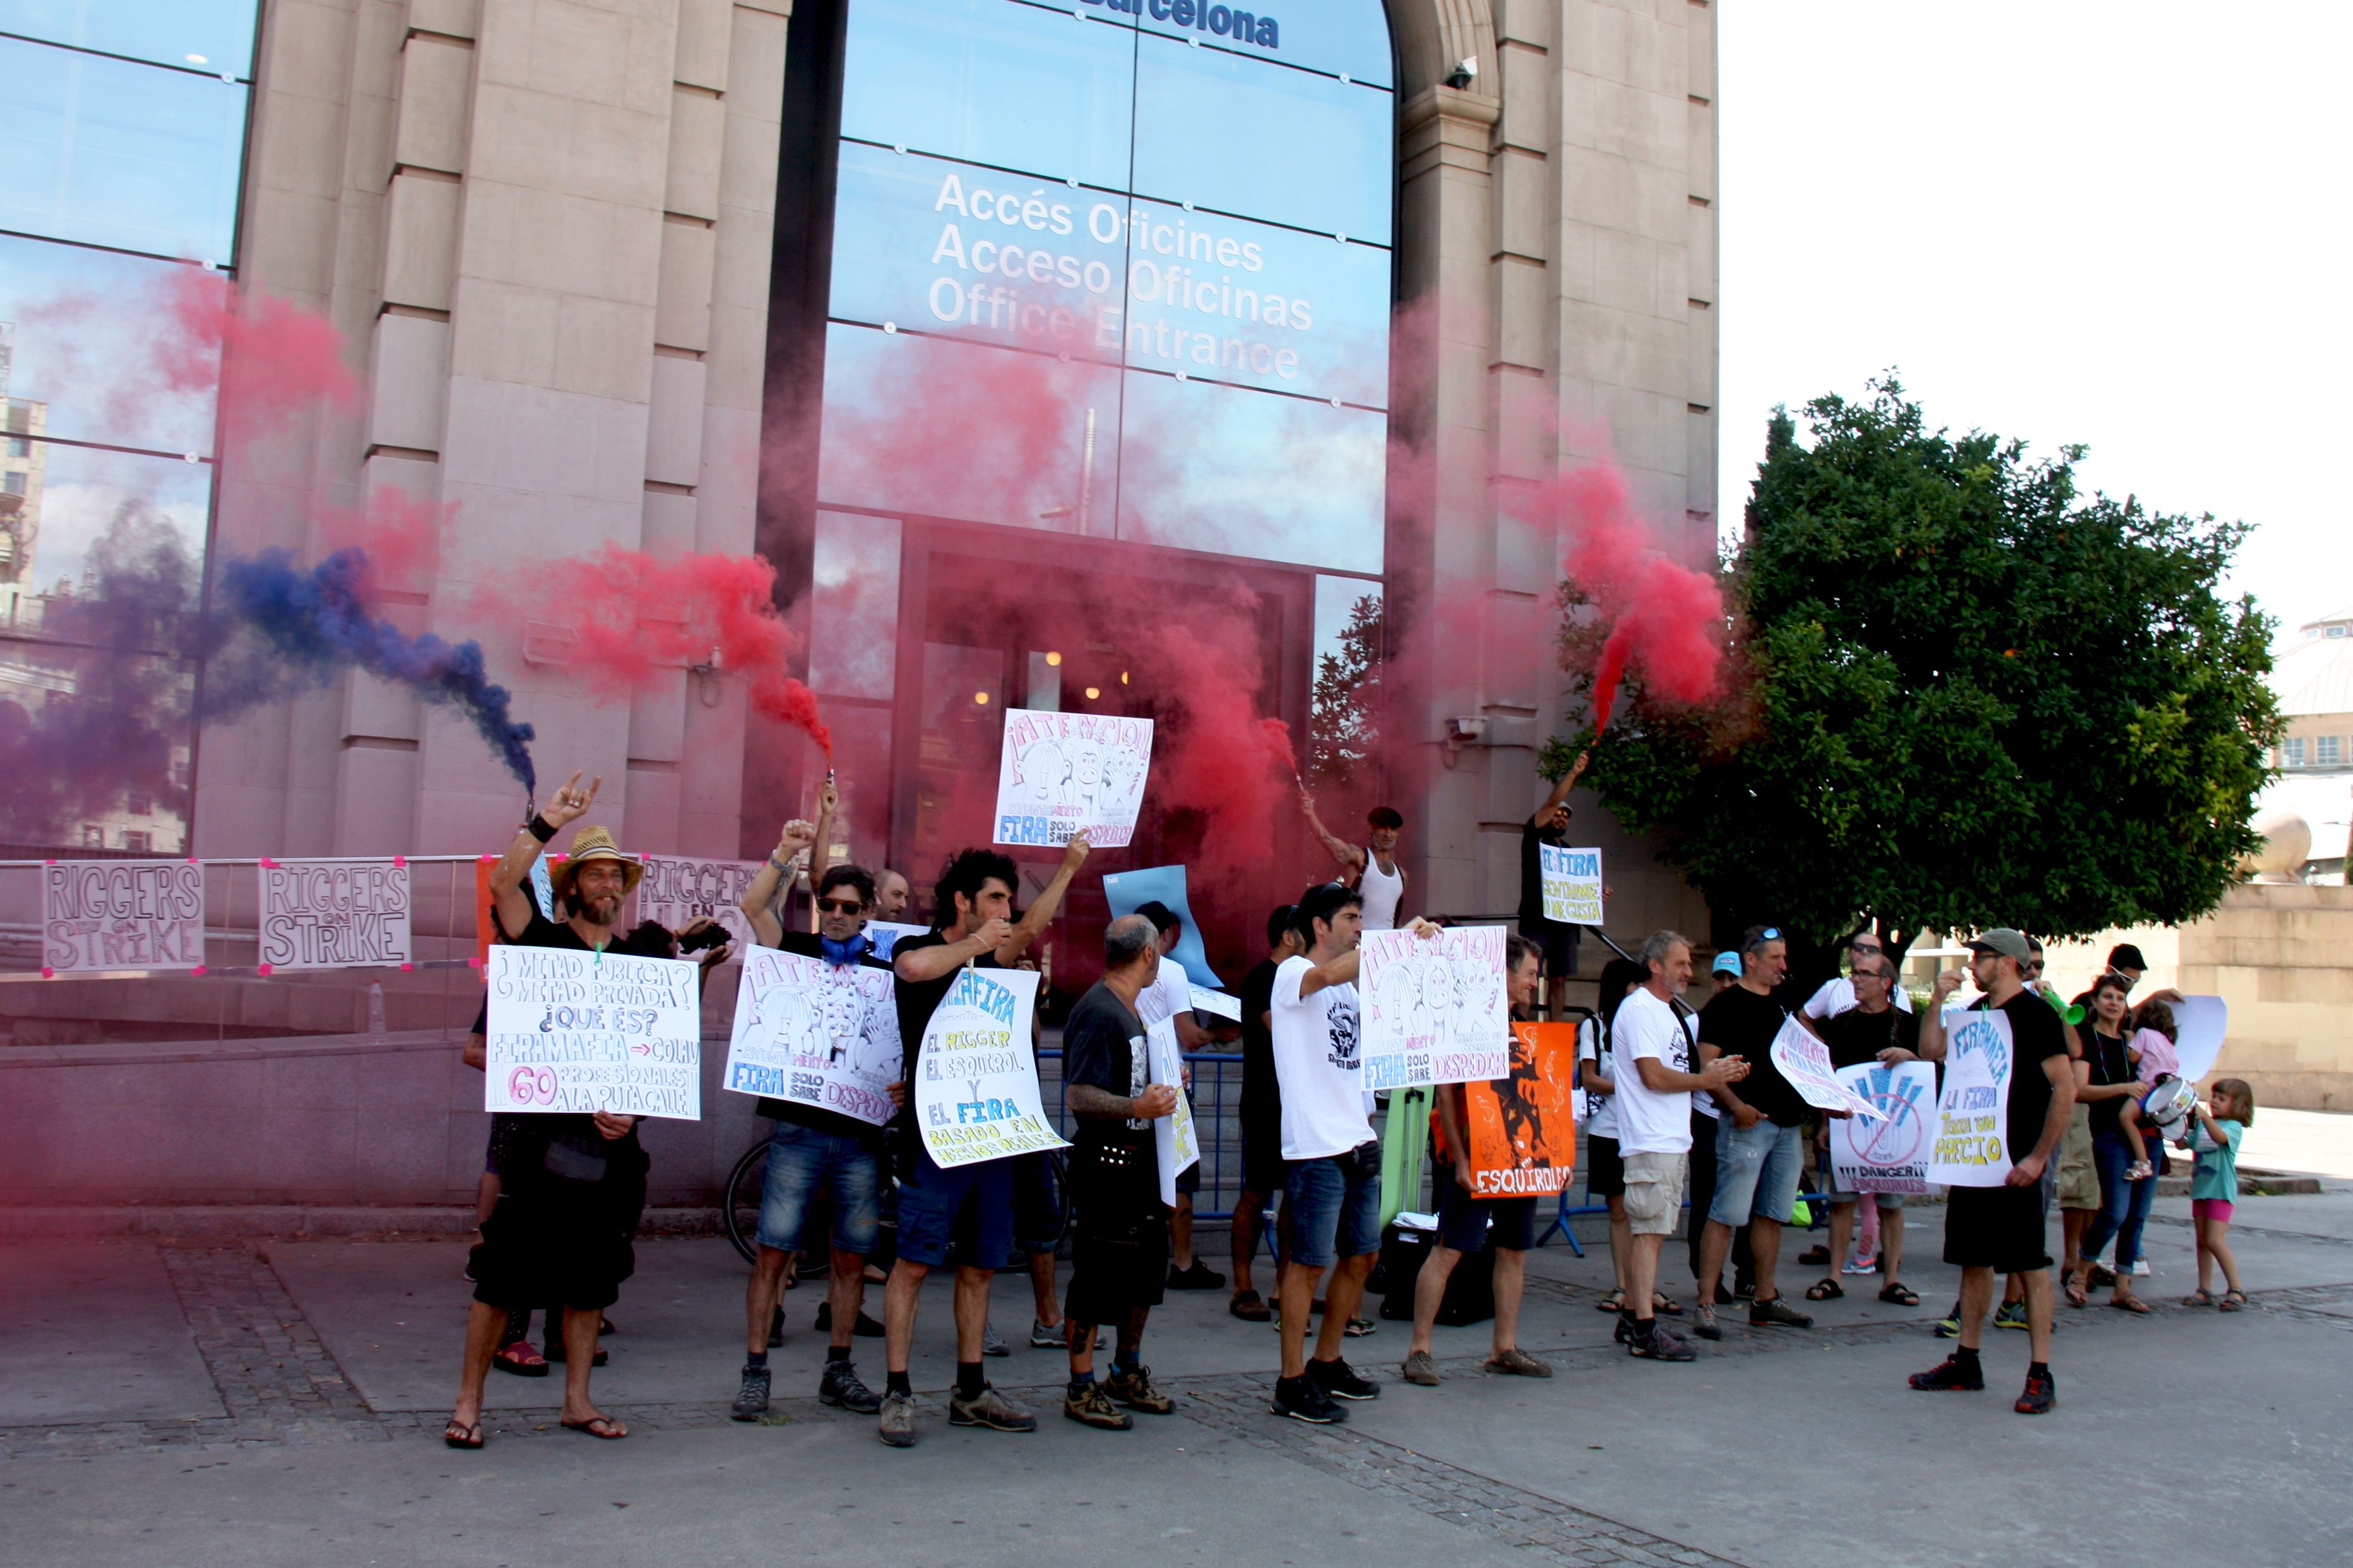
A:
<point x="2313" y="681"/>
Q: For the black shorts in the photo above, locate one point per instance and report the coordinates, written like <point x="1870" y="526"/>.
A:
<point x="1119" y="1243"/>
<point x="1188" y="1179"/>
<point x="1462" y="1220"/>
<point x="1262" y="1157"/>
<point x="1557" y="943"/>
<point x="2000" y="1228"/>
<point x="1605" y="1169"/>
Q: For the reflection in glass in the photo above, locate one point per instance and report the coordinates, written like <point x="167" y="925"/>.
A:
<point x="208" y="35"/>
<point x="84" y="498"/>
<point x="1345" y="706"/>
<point x="108" y="152"/>
<point x="946" y="428"/>
<point x="1343" y="37"/>
<point x="854" y="606"/>
<point x="86" y="326"/>
<point x="992" y="82"/>
<point x="1237" y="472"/>
<point x="963" y="706"/>
<point x="1239" y="136"/>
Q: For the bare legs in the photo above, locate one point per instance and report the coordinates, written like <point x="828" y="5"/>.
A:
<point x="1340" y="1302"/>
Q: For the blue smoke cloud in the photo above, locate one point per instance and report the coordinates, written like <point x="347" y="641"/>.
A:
<point x="309" y="625"/>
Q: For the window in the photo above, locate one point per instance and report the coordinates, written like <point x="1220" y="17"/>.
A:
<point x="138" y="803"/>
<point x="2292" y="752"/>
<point x="92" y="835"/>
<point x="2333" y="632"/>
<point x="14" y="481"/>
<point x="140" y="842"/>
<point x="20" y="447"/>
<point x="2325" y="751"/>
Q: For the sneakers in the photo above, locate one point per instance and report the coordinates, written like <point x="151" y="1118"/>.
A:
<point x="751" y="1399"/>
<point x="2140" y="1269"/>
<point x="990" y="1409"/>
<point x="1420" y="1370"/>
<point x="1704" y="1323"/>
<point x="1340" y="1380"/>
<point x="1517" y="1363"/>
<point x="1659" y="1345"/>
<point x="842" y="1388"/>
<point x="1360" y="1328"/>
<point x="989" y="1343"/>
<point x="1200" y="1277"/>
<point x="1624" y="1333"/>
<point x="896" y="1426"/>
<point x="1948" y="1376"/>
<point x="1092" y="1406"/>
<point x="1301" y="1400"/>
<point x="1860" y="1266"/>
<point x="1051" y="1337"/>
<point x="1134" y="1389"/>
<point x="2011" y="1315"/>
<point x="867" y="1329"/>
<point x="1773" y="1312"/>
<point x="1743" y="1287"/>
<point x="1948" y="1327"/>
<point x="2042" y="1392"/>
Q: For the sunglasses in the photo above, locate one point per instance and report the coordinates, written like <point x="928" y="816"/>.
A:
<point x="840" y="906"/>
<point x="1770" y="933"/>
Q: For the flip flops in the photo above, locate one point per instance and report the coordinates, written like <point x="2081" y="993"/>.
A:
<point x="462" y="1434"/>
<point x="602" y="1427"/>
<point x="519" y="1358"/>
<point x="2132" y="1304"/>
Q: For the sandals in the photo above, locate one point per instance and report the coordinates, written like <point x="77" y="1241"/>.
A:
<point x="462" y="1434"/>
<point x="2132" y="1304"/>
<point x="1250" y="1307"/>
<point x="1896" y="1294"/>
<point x="602" y="1427"/>
<point x="2139" y="1171"/>
<point x="2233" y="1301"/>
<point x="1825" y="1289"/>
<point x="1614" y="1302"/>
<point x="2075" y="1293"/>
<point x="1662" y="1302"/>
<point x="519" y="1358"/>
<point x="2201" y="1297"/>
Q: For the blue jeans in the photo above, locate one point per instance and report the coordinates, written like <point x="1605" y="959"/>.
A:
<point x="2124" y="1205"/>
<point x="1332" y="1207"/>
<point x="1757" y="1172"/>
<point x="803" y="1162"/>
<point x="959" y="1213"/>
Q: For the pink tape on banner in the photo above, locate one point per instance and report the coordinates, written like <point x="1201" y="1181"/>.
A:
<point x="263" y="968"/>
<point x="47" y="973"/>
<point x="406" y="967"/>
<point x="400" y="860"/>
<point x="267" y="862"/>
<point x="199" y="969"/>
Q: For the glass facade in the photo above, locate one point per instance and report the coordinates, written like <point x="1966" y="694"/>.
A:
<point x="122" y="127"/>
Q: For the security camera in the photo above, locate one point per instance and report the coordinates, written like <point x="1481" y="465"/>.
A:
<point x="1464" y="730"/>
<point x="1463" y="74"/>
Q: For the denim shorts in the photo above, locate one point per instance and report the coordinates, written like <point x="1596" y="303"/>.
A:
<point x="932" y="1198"/>
<point x="1038" y="1212"/>
<point x="1332" y="1207"/>
<point x="803" y="1162"/>
<point x="1757" y="1172"/>
<point x="1462" y="1220"/>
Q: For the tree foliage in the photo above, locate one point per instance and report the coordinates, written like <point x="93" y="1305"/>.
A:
<point x="1964" y="695"/>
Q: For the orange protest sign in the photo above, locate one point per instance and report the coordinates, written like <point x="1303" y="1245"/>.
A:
<point x="1523" y="1130"/>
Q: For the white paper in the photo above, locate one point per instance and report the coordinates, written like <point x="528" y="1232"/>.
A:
<point x="1805" y="1061"/>
<point x="1175" y="1139"/>
<point x="334" y="914"/>
<point x="1063" y="774"/>
<point x="815" y="1034"/>
<point x="677" y="889"/>
<point x="1433" y="1010"/>
<point x="579" y="1031"/>
<point x="1572" y="884"/>
<point x="977" y="1077"/>
<point x="1971" y="1146"/>
<point x="1889" y="1154"/>
<point x="121" y="914"/>
<point x="886" y="936"/>
<point x="1208" y="1001"/>
<point x="2201" y="1022"/>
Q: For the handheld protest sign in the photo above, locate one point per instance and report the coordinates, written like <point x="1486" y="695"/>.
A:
<point x="1972" y="1130"/>
<point x="333" y="914"/>
<point x="121" y="914"/>
<point x="813" y="1034"/>
<point x="1175" y="1138"/>
<point x="1572" y="884"/>
<point x="575" y="1031"/>
<point x="1805" y="1061"/>
<point x="1064" y="774"/>
<point x="1128" y="891"/>
<point x="886" y="936"/>
<point x="1888" y="1154"/>
<point x="976" y="1078"/>
<point x="1433" y="1008"/>
<point x="679" y="890"/>
<point x="2201" y="1022"/>
<point x="1522" y="1128"/>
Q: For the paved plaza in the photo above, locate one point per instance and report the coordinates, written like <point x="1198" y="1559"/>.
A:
<point x="281" y="1403"/>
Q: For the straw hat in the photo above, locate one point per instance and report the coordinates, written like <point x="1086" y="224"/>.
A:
<point x="593" y="844"/>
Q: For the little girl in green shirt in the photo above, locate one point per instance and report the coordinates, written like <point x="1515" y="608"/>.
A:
<point x="2212" y="1137"/>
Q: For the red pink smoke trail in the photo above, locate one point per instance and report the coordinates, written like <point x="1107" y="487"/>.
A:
<point x="272" y="359"/>
<point x="1664" y="617"/>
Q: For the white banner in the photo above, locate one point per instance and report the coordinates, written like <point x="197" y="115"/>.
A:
<point x="334" y="914"/>
<point x="814" y="1035"/>
<point x="572" y="1030"/>
<point x="1434" y="1009"/>
<point x="976" y="1078"/>
<point x="886" y="936"/>
<point x="1805" y="1061"/>
<point x="1889" y="1154"/>
<point x="1176" y="1140"/>
<point x="1572" y="884"/>
<point x="678" y="889"/>
<point x="2201" y="1022"/>
<point x="121" y="914"/>
<point x="1972" y="1131"/>
<point x="1062" y="773"/>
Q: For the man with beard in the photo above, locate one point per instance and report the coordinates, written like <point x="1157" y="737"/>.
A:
<point x="1557" y="940"/>
<point x="571" y="1188"/>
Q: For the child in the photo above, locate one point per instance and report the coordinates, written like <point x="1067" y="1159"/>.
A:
<point x="2153" y="1057"/>
<point x="2228" y="1112"/>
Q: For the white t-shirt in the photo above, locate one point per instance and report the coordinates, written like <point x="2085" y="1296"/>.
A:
<point x="1318" y="1064"/>
<point x="1650" y="1122"/>
<point x="1170" y="992"/>
<point x="1382" y="892"/>
<point x="1837" y="996"/>
<point x="1596" y="1113"/>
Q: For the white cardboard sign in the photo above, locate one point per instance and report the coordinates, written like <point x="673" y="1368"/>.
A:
<point x="1063" y="774"/>
<point x="1433" y="1009"/>
<point x="816" y="1034"/>
<point x="1572" y="884"/>
<point x="334" y="914"/>
<point x="975" y="1085"/>
<point x="121" y="914"/>
<point x="1805" y="1061"/>
<point x="2201" y="1022"/>
<point x="1889" y="1154"/>
<point x="574" y="1031"/>
<point x="677" y="889"/>
<point x="1971" y="1148"/>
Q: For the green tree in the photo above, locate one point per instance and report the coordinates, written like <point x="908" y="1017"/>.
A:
<point x="1345" y="720"/>
<point x="1963" y="695"/>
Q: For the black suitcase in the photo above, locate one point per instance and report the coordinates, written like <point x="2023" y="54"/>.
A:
<point x="1470" y="1290"/>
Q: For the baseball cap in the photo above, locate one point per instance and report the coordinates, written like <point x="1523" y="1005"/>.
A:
<point x="1727" y="962"/>
<point x="2001" y="940"/>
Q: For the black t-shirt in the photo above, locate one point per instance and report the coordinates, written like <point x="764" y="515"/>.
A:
<point x="2110" y="1064"/>
<point x="918" y="1000"/>
<point x="2036" y="1035"/>
<point x="807" y="944"/>
<point x="1531" y="875"/>
<point x="1262" y="1097"/>
<point x="525" y="1136"/>
<point x="1103" y="1046"/>
<point x="1856" y="1038"/>
<point x="1739" y="1022"/>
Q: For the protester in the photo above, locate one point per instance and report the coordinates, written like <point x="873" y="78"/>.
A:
<point x="1467" y="1222"/>
<point x="1605" y="1167"/>
<point x="1872" y="1030"/>
<point x="1557" y="940"/>
<point x="1170" y="996"/>
<point x="891" y="895"/>
<point x="1119" y="1247"/>
<point x="571" y="1187"/>
<point x="2001" y="1230"/>
<point x="1838" y="994"/>
<point x="1759" y="1148"/>
<point x="817" y="1157"/>
<point x="2109" y="1084"/>
<point x="1332" y="1193"/>
<point x="1723" y="973"/>
<point x="1651" y="1042"/>
<point x="974" y="897"/>
<point x="1260" y="1112"/>
<point x="2213" y="1139"/>
<point x="1374" y="870"/>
